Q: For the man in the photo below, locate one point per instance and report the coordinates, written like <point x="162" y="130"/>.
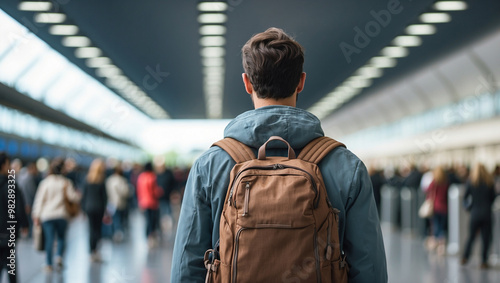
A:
<point x="166" y="180"/>
<point x="9" y="227"/>
<point x="274" y="78"/>
<point x="28" y="184"/>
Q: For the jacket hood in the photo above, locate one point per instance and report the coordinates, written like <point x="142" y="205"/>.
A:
<point x="255" y="127"/>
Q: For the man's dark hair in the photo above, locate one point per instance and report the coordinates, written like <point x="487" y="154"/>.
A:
<point x="3" y="158"/>
<point x="118" y="170"/>
<point x="148" y="167"/>
<point x="56" y="166"/>
<point x="273" y="62"/>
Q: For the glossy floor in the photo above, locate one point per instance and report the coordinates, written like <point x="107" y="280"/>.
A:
<point x="132" y="261"/>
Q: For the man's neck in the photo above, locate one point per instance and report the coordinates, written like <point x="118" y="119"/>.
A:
<point x="261" y="102"/>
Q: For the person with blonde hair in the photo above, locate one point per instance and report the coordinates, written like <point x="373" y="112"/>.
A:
<point x="50" y="212"/>
<point x="481" y="188"/>
<point x="118" y="191"/>
<point x="438" y="189"/>
<point x="94" y="204"/>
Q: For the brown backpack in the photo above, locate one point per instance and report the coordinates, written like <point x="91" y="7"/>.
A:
<point x="277" y="224"/>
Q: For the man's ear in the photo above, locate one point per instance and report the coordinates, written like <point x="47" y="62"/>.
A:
<point x="247" y="83"/>
<point x="302" y="81"/>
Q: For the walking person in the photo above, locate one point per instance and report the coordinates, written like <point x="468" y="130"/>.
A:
<point x="49" y="210"/>
<point x="118" y="191"/>
<point x="8" y="237"/>
<point x="438" y="189"/>
<point x="481" y="188"/>
<point x="94" y="203"/>
<point x="148" y="196"/>
<point x="273" y="77"/>
<point x="165" y="179"/>
<point x="28" y="183"/>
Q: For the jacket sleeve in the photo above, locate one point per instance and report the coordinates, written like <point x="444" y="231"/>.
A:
<point x="122" y="188"/>
<point x="38" y="202"/>
<point x="194" y="233"/>
<point x="363" y="242"/>
<point x="71" y="192"/>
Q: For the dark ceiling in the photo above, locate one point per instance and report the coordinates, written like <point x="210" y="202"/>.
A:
<point x="138" y="35"/>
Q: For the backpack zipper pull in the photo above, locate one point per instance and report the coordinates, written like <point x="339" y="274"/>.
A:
<point x="247" y="196"/>
<point x="277" y="166"/>
<point x="230" y="198"/>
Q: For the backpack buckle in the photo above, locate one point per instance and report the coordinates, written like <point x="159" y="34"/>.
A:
<point x="209" y="259"/>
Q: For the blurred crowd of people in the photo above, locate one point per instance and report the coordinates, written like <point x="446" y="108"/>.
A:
<point x="104" y="194"/>
<point x="480" y="190"/>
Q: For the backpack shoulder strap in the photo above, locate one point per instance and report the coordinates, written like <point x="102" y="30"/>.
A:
<point x="236" y="149"/>
<point x="318" y="148"/>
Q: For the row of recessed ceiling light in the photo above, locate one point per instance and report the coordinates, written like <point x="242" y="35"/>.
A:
<point x="212" y="30"/>
<point x="363" y="77"/>
<point x="103" y="66"/>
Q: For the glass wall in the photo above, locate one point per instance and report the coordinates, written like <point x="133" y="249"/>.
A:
<point x="472" y="108"/>
<point x="33" y="68"/>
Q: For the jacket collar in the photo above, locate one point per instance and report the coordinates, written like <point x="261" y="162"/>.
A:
<point x="295" y="125"/>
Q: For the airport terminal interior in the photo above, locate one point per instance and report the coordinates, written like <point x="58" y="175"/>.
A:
<point x="133" y="87"/>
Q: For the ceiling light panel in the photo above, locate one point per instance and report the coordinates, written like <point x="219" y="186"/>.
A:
<point x="431" y="18"/>
<point x="63" y="30"/>
<point x="76" y="41"/>
<point x="369" y="72"/>
<point x="108" y="71"/>
<point x="50" y="18"/>
<point x="212" y="41"/>
<point x="212" y="30"/>
<point x="383" y="62"/>
<point x="212" y="18"/>
<point x="213" y="52"/>
<point x="98" y="62"/>
<point x="421" y="29"/>
<point x="35" y="6"/>
<point x="212" y="6"/>
<point x="450" y="5"/>
<point x="88" y="52"/>
<point x="394" y="51"/>
<point x="407" y="40"/>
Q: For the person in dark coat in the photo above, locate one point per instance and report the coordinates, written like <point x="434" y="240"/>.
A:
<point x="165" y="179"/>
<point x="378" y="180"/>
<point x="28" y="184"/>
<point x="481" y="188"/>
<point x="8" y="235"/>
<point x="413" y="179"/>
<point x="94" y="203"/>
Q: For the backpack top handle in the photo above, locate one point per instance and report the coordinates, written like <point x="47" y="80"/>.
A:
<point x="262" y="149"/>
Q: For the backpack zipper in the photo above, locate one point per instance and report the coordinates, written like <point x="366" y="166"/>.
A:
<point x="329" y="248"/>
<point x="235" y="256"/>
<point x="247" y="196"/>
<point x="274" y="167"/>
<point x="316" y="256"/>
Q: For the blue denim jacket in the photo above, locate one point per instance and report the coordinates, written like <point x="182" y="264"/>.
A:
<point x="345" y="176"/>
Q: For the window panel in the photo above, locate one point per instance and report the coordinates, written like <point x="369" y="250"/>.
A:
<point x="46" y="71"/>
<point x="16" y="62"/>
<point x="61" y="92"/>
<point x="10" y="32"/>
